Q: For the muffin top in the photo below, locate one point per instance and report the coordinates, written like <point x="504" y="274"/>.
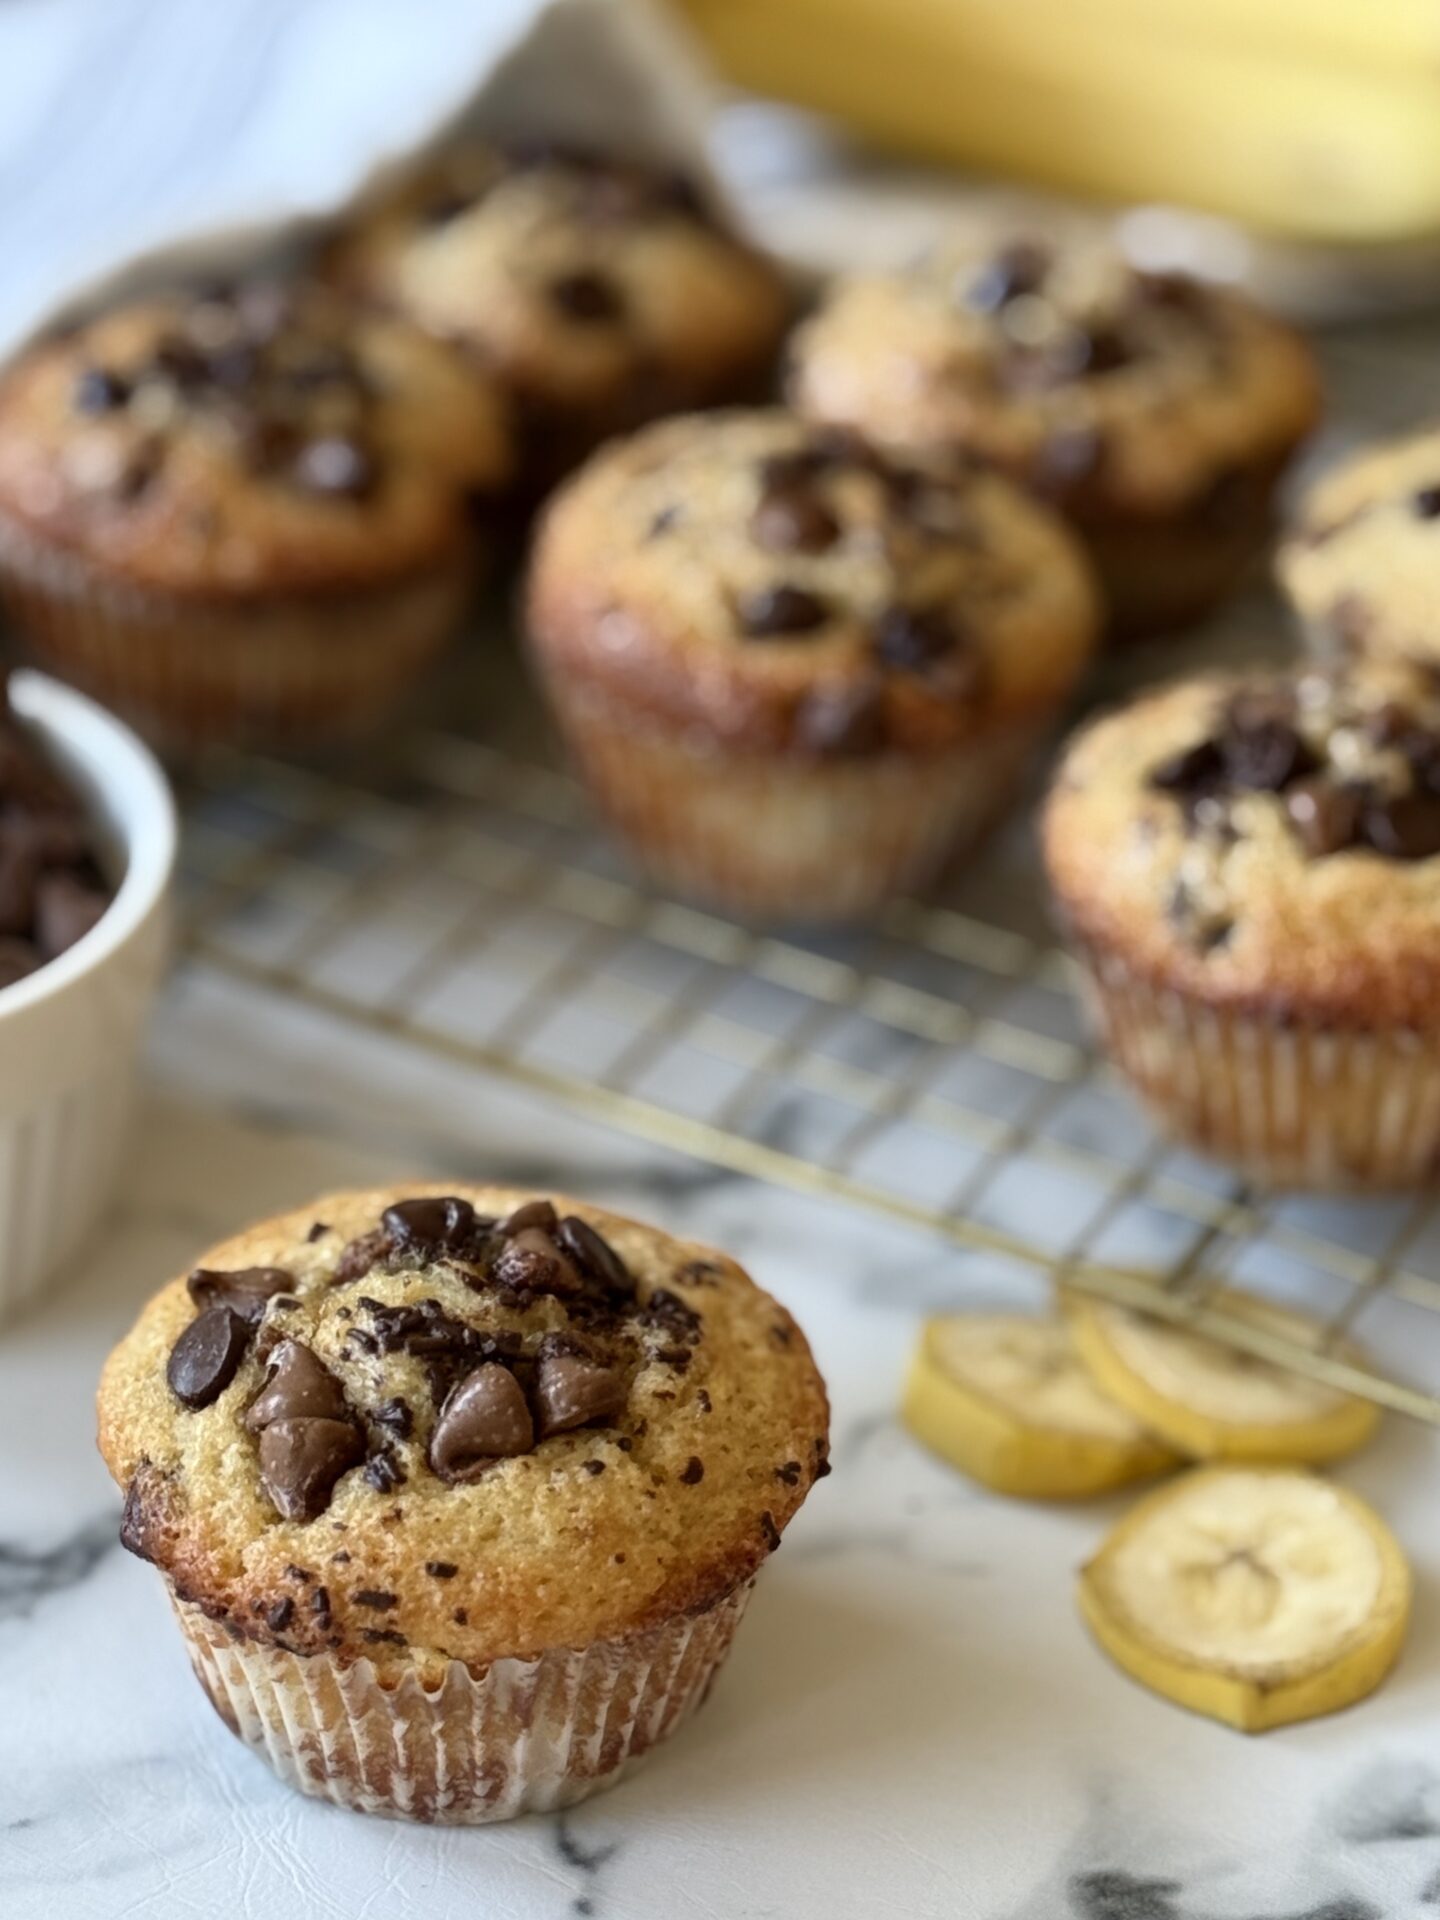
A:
<point x="251" y="438"/>
<point x="1109" y="389"/>
<point x="1363" y="561"/>
<point x="573" y="275"/>
<point x="776" y="585"/>
<point x="1270" y="843"/>
<point x="421" y="1422"/>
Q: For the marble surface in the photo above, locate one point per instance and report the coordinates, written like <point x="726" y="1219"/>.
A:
<point x="913" y="1721"/>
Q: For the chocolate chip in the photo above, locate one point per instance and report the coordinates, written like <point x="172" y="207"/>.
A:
<point x="334" y="464"/>
<point x="460" y="1617"/>
<point x="1404" y="828"/>
<point x="320" y="1598"/>
<point x="693" y="1472"/>
<point x="1265" y="755"/>
<point x="789" y="1473"/>
<point x="300" y="1387"/>
<point x="280" y="1615"/>
<point x="376" y="1598"/>
<point x="244" y="1291"/>
<point x="206" y="1357"/>
<point x="770" y="1530"/>
<point x="914" y="638"/>
<point x="765" y="612"/>
<point x="383" y="1471"/>
<point x="531" y="1262"/>
<point x="66" y="909"/>
<point x="1193" y="770"/>
<point x="593" y="1254"/>
<point x="534" y="1213"/>
<point x="383" y="1636"/>
<point x="99" y="391"/>
<point x="586" y="295"/>
<point x="441" y="1569"/>
<point x="1326" y="817"/>
<point x="842" y="719"/>
<point x="793" y="520"/>
<point x="298" y="1573"/>
<point x="429" y="1225"/>
<point x="593" y="1466"/>
<point x="1426" y="502"/>
<point x="571" y="1391"/>
<point x="318" y="1231"/>
<point x="301" y="1459"/>
<point x="484" y="1419"/>
<point x="395" y="1416"/>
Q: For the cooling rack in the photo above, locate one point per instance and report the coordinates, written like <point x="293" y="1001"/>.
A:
<point x="459" y="895"/>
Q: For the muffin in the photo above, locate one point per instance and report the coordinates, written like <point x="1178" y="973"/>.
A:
<point x="1249" y="870"/>
<point x="1156" y="413"/>
<point x="1362" y="561"/>
<point x="459" y="1496"/>
<point x="797" y="673"/>
<point x="242" y="513"/>
<point x="602" y="293"/>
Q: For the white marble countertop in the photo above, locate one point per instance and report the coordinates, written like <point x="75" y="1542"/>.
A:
<point x="913" y="1721"/>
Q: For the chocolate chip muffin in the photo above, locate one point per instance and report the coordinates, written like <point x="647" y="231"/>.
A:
<point x="242" y="513"/>
<point x="1250" y="873"/>
<point x="798" y="673"/>
<point x="1156" y="413"/>
<point x="1362" y="561"/>
<point x="459" y="1496"/>
<point x="603" y="293"/>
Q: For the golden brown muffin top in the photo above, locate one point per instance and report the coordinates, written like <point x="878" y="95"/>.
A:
<point x="1363" y="560"/>
<point x="249" y="439"/>
<point x="574" y="276"/>
<point x="1270" y="843"/>
<point x="1111" y="390"/>
<point x="776" y="585"/>
<point x="460" y="1423"/>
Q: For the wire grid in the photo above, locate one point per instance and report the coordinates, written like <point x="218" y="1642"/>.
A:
<point x="461" y="897"/>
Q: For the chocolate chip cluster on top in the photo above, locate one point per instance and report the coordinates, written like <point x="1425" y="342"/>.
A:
<point x="556" y="1340"/>
<point x="1350" y="773"/>
<point x="53" y="888"/>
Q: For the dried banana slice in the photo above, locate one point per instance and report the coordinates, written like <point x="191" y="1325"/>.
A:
<point x="1005" y="1399"/>
<point x="1212" y="1401"/>
<point x="1256" y="1595"/>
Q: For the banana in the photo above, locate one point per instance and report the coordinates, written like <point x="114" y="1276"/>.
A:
<point x="1212" y="1401"/>
<point x="1257" y="1596"/>
<point x="1006" y="1400"/>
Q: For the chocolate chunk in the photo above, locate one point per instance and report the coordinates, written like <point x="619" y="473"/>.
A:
<point x="18" y="959"/>
<point x="571" y="1391"/>
<point x="376" y="1598"/>
<point x="429" y="1226"/>
<point x="586" y="295"/>
<point x="360" y="1256"/>
<point x="484" y="1419"/>
<point x="300" y="1387"/>
<point x="1404" y="828"/>
<point x="441" y="1569"/>
<point x="1265" y="756"/>
<point x="842" y="719"/>
<point x="1426" y="502"/>
<point x="593" y="1254"/>
<point x="334" y="464"/>
<point x="206" y="1357"/>
<point x="534" y="1213"/>
<point x="781" y="610"/>
<point x="531" y="1262"/>
<point x="280" y="1615"/>
<point x="793" y="520"/>
<point x="1017" y="269"/>
<point x="66" y="908"/>
<point x="914" y="638"/>
<point x="668" y="1314"/>
<point x="693" y="1472"/>
<point x="301" y="1459"/>
<point x="244" y="1291"/>
<point x="99" y="391"/>
<point x="1326" y="817"/>
<point x="447" y="1348"/>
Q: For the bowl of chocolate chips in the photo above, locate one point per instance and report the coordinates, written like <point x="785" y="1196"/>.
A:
<point x="87" y="847"/>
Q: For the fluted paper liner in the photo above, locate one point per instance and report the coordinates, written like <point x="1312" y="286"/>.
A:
<point x="471" y="1746"/>
<point x="1294" y="1105"/>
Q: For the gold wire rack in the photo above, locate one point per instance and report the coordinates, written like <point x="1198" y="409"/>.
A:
<point x="460" y="897"/>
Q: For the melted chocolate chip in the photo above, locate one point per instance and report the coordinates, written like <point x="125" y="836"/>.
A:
<point x="280" y="1615"/>
<point x="534" y="1213"/>
<point x="768" y="612"/>
<point x="244" y="1291"/>
<point x="206" y="1357"/>
<point x="484" y="1419"/>
<point x="586" y="295"/>
<point x="572" y="1390"/>
<point x="793" y="520"/>
<point x="300" y="1387"/>
<point x="301" y="1460"/>
<point x="427" y="1226"/>
<point x="693" y="1472"/>
<point x="441" y="1569"/>
<point x="842" y="719"/>
<point x="531" y="1262"/>
<point x="1325" y="816"/>
<point x="593" y="1254"/>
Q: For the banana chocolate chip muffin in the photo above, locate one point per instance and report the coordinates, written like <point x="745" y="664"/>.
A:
<point x="1249" y="870"/>
<point x="1156" y="413"/>
<point x="242" y="512"/>
<point x="798" y="673"/>
<point x="601" y="291"/>
<point x="459" y="1496"/>
<point x="1362" y="562"/>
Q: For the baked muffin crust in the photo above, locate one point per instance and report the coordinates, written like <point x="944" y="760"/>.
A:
<point x="563" y="1426"/>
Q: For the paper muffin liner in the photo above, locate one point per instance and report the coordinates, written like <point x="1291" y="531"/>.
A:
<point x="262" y="672"/>
<point x="781" y="837"/>
<point x="457" y="1746"/>
<point x="1329" y="1108"/>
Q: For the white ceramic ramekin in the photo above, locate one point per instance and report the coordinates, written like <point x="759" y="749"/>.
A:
<point x="70" y="1033"/>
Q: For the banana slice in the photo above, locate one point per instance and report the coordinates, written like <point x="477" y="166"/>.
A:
<point x="1256" y="1595"/>
<point x="1211" y="1401"/>
<point x="1006" y="1400"/>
